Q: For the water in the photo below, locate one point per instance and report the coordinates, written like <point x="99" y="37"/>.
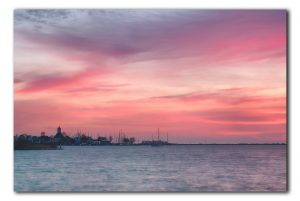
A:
<point x="197" y="168"/>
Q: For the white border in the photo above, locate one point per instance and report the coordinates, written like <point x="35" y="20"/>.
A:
<point x="6" y="92"/>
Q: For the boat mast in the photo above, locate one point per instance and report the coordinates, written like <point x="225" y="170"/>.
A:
<point x="158" y="135"/>
<point x="167" y="137"/>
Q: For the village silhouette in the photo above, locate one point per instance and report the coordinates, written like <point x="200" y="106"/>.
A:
<point x="45" y="142"/>
<point x="25" y="141"/>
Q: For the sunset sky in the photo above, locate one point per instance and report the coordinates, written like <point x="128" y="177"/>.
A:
<point x="200" y="75"/>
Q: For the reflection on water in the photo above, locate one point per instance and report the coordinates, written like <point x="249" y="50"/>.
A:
<point x="202" y="168"/>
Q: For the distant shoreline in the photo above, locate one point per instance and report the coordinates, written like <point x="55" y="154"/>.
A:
<point x="234" y="144"/>
<point x="117" y="145"/>
<point x="138" y="145"/>
<point x="25" y="141"/>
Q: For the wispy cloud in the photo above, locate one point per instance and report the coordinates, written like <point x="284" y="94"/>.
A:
<point x="218" y="74"/>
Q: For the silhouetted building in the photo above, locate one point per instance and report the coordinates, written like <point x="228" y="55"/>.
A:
<point x="58" y="130"/>
<point x="59" y="136"/>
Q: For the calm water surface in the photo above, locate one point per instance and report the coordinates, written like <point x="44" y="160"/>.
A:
<point x="202" y="168"/>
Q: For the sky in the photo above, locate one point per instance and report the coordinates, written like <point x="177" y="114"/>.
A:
<point x="202" y="76"/>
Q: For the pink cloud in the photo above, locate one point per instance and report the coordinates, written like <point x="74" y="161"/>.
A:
<point x="217" y="75"/>
<point x="44" y="83"/>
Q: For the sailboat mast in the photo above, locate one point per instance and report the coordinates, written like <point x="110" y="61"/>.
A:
<point x="167" y="137"/>
<point x="158" y="134"/>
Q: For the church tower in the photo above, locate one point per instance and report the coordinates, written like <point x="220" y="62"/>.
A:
<point x="58" y="131"/>
<point x="59" y="136"/>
